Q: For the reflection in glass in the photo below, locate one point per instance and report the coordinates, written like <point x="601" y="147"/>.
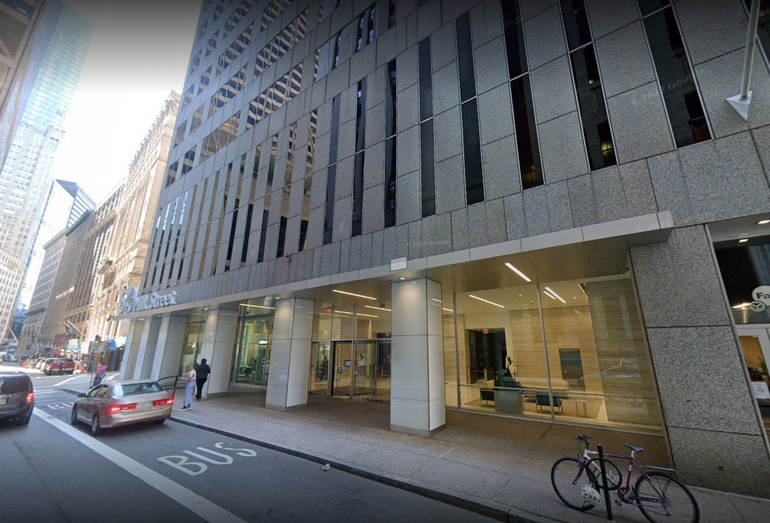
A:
<point x="685" y="111"/>
<point x="252" y="362"/>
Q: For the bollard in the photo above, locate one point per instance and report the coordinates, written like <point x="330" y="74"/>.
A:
<point x="607" y="502"/>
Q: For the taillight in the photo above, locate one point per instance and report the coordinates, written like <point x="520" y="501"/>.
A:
<point x="121" y="408"/>
<point x="30" y="397"/>
<point x="160" y="403"/>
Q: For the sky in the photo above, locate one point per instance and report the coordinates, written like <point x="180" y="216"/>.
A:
<point x="139" y="53"/>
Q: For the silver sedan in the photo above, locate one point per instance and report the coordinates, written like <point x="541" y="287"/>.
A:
<point x="122" y="403"/>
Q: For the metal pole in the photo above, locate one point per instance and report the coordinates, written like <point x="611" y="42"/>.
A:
<point x="751" y="45"/>
<point x="607" y="503"/>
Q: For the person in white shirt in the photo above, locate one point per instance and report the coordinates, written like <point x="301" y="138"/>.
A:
<point x="190" y="378"/>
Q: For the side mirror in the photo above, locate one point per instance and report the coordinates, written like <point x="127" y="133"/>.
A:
<point x="82" y="395"/>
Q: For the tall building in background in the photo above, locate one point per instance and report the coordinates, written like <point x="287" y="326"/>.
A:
<point x="121" y="266"/>
<point x="17" y="26"/>
<point x="58" y="53"/>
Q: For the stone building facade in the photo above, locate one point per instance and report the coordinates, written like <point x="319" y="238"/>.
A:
<point x="525" y="208"/>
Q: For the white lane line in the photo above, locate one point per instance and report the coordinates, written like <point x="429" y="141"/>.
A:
<point x="185" y="497"/>
<point x="68" y="380"/>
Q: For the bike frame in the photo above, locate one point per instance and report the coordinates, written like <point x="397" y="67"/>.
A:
<point x="622" y="491"/>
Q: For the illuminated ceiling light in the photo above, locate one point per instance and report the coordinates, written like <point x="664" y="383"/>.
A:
<point x="549" y="295"/>
<point x="486" y="301"/>
<point x="356" y="295"/>
<point x="402" y="278"/>
<point x="257" y="306"/>
<point x="448" y="310"/>
<point x="343" y="312"/>
<point x="554" y="293"/>
<point x="367" y="315"/>
<point x="763" y="222"/>
<point x="741" y="306"/>
<point x="743" y="240"/>
<point x="378" y="308"/>
<point x="517" y="271"/>
<point x="434" y="299"/>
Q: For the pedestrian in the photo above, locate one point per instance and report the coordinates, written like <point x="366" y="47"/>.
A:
<point x="190" y="387"/>
<point x="202" y="372"/>
<point x="101" y="370"/>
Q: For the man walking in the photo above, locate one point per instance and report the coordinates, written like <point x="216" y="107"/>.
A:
<point x="202" y="371"/>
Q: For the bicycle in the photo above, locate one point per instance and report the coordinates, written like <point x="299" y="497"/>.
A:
<point x="658" y="496"/>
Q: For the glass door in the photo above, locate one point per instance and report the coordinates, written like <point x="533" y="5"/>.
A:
<point x="343" y="364"/>
<point x="365" y="364"/>
<point x="319" y="368"/>
<point x="755" y="343"/>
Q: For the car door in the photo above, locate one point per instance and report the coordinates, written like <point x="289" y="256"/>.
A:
<point x="102" y="399"/>
<point x="89" y="406"/>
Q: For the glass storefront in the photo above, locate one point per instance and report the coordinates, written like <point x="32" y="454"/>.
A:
<point x="582" y="359"/>
<point x="745" y="269"/>
<point x="252" y="358"/>
<point x="193" y="341"/>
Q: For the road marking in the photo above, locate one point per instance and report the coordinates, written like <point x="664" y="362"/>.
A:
<point x="200" y="506"/>
<point x="184" y="464"/>
<point x="68" y="380"/>
<point x="58" y="406"/>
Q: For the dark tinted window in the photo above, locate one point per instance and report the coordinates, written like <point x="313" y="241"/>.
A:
<point x="465" y="58"/>
<point x="685" y="111"/>
<point x="526" y="133"/>
<point x="133" y="389"/>
<point x="427" y="174"/>
<point x="14" y="384"/>
<point x="474" y="184"/>
<point x="390" y="182"/>
<point x="576" y="23"/>
<point x="650" y="6"/>
<point x="426" y="80"/>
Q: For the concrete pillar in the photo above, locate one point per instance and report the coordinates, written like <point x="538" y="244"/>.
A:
<point x="147" y="344"/>
<point x="170" y="343"/>
<point x="713" y="425"/>
<point x="218" y="345"/>
<point x="417" y="404"/>
<point x="287" y="382"/>
<point x="133" y="339"/>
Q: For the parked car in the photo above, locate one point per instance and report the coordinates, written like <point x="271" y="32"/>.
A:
<point x="59" y="366"/>
<point x="122" y="403"/>
<point x="17" y="397"/>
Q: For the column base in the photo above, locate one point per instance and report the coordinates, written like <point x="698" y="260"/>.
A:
<point x="281" y="408"/>
<point x="417" y="432"/>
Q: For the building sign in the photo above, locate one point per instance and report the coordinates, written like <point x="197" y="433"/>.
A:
<point x="130" y="301"/>
<point x="761" y="297"/>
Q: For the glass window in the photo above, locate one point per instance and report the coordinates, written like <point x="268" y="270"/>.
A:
<point x="474" y="181"/>
<point x="680" y="94"/>
<point x="390" y="182"/>
<point x="465" y="57"/>
<point x="286" y="190"/>
<point x="427" y="174"/>
<point x="426" y="80"/>
<point x="745" y="269"/>
<point x="252" y="358"/>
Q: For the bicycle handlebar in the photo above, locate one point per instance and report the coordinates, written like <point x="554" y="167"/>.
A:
<point x="584" y="438"/>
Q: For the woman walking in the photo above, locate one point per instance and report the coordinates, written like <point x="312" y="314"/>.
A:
<point x="190" y="387"/>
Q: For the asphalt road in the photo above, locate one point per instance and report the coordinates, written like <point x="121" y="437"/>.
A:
<point x="54" y="472"/>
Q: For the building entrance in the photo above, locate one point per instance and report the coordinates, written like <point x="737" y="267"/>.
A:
<point x="755" y="342"/>
<point x="351" y="369"/>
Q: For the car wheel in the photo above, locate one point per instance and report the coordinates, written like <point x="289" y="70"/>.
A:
<point x="96" y="429"/>
<point x="24" y="421"/>
<point x="46" y="373"/>
<point x="74" y="416"/>
<point x="160" y="421"/>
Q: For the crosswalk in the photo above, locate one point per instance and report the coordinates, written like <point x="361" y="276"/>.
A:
<point x="51" y="399"/>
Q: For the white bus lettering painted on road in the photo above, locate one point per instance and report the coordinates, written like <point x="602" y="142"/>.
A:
<point x="195" y="468"/>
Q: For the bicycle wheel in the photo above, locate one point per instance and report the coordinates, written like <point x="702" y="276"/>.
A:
<point x="661" y="498"/>
<point x="568" y="479"/>
<point x="614" y="477"/>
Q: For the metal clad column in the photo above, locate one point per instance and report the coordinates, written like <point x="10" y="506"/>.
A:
<point x="417" y="404"/>
<point x="287" y="384"/>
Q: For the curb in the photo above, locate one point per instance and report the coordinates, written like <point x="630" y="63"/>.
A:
<point x="489" y="509"/>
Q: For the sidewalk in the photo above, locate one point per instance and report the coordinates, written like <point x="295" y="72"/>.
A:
<point x="494" y="466"/>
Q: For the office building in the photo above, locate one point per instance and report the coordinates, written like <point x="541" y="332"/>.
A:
<point x="56" y="59"/>
<point x="544" y="210"/>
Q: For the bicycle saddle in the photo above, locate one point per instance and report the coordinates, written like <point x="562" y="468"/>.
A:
<point x="635" y="449"/>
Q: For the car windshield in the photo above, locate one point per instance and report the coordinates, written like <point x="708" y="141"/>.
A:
<point x="13" y="384"/>
<point x="133" y="389"/>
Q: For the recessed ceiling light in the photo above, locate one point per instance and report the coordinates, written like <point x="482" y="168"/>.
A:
<point x="556" y="295"/>
<point x="356" y="295"/>
<point x="343" y="312"/>
<point x="517" y="271"/>
<point x="549" y="295"/>
<point x="763" y="222"/>
<point x="448" y="310"/>
<point x="486" y="301"/>
<point x="367" y="315"/>
<point x="402" y="278"/>
<point x="257" y="306"/>
<point x="378" y="308"/>
<point x="743" y="240"/>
